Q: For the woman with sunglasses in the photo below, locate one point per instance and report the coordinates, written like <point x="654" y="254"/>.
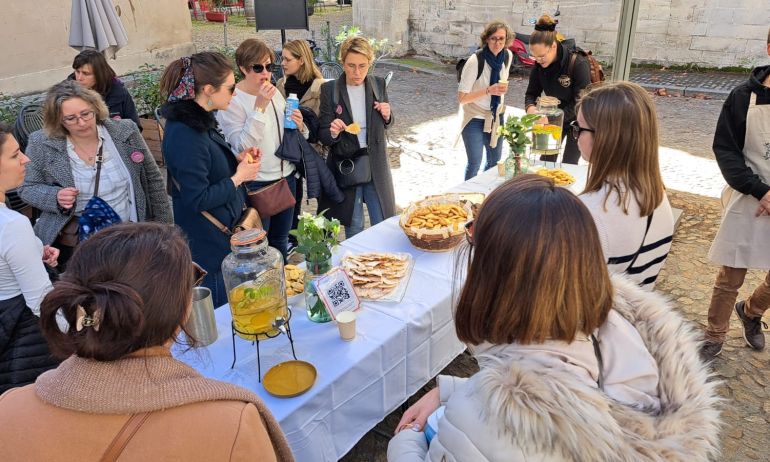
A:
<point x="569" y="370"/>
<point x="551" y="76"/>
<point x="256" y="119"/>
<point x="62" y="174"/>
<point x="206" y="178"/>
<point x="119" y="394"/>
<point x="617" y="133"/>
<point x="482" y="97"/>
<point x="23" y="279"/>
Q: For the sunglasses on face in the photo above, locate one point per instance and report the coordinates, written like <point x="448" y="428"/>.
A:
<point x="576" y="130"/>
<point x="469" y="232"/>
<point x="231" y="89"/>
<point x="270" y="67"/>
<point x="198" y="274"/>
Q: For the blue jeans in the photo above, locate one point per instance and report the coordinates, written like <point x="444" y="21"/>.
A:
<point x="364" y="193"/>
<point x="277" y="226"/>
<point x="476" y="141"/>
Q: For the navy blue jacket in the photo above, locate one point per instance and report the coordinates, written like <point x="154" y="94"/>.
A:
<point x="200" y="162"/>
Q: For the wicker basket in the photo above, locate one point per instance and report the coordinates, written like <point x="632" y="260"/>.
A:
<point x="436" y="240"/>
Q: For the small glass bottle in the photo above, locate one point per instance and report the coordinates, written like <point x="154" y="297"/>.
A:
<point x="256" y="286"/>
<point x="546" y="134"/>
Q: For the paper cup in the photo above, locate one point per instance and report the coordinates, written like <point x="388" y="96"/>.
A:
<point x="501" y="168"/>
<point x="346" y="321"/>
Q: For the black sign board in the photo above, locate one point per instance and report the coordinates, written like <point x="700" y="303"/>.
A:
<point x="281" y="14"/>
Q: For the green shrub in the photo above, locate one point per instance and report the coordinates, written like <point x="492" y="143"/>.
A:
<point x="9" y="109"/>
<point x="146" y="89"/>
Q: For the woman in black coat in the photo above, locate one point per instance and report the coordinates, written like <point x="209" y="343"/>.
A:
<point x="206" y="175"/>
<point x="362" y="100"/>
<point x="551" y="75"/>
<point x="93" y="72"/>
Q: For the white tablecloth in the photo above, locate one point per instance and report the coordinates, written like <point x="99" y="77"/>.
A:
<point x="399" y="347"/>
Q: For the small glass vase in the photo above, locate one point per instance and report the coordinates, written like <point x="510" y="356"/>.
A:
<point x="516" y="164"/>
<point x="316" y="311"/>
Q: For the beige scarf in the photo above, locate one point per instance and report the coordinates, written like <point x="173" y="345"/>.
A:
<point x="145" y="381"/>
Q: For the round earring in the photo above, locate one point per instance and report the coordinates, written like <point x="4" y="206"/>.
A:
<point x="210" y="103"/>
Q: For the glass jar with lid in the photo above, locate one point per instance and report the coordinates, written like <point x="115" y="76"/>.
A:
<point x="256" y="286"/>
<point x="547" y="131"/>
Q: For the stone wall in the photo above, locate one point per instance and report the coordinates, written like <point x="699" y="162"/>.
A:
<point x="35" y="36"/>
<point x="713" y="33"/>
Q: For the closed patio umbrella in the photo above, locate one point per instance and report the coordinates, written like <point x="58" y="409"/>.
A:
<point x="94" y="24"/>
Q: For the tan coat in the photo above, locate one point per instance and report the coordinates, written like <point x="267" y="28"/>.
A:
<point x="207" y="430"/>
<point x="312" y="97"/>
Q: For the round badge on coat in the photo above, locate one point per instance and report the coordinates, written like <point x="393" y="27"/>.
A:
<point x="565" y="81"/>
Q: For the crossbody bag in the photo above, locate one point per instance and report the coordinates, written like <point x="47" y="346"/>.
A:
<point x="276" y="197"/>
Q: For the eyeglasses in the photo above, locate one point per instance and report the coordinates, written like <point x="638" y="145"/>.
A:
<point x="469" y="232"/>
<point x="539" y="58"/>
<point x="497" y="39"/>
<point x="73" y="119"/>
<point x="270" y="67"/>
<point x="198" y="274"/>
<point x="577" y="129"/>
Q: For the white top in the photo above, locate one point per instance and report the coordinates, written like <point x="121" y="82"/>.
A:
<point x="357" y="95"/>
<point x="21" y="260"/>
<point x="115" y="185"/>
<point x="621" y="236"/>
<point x="244" y="128"/>
<point x="469" y="83"/>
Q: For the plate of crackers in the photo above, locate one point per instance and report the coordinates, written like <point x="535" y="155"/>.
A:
<point x="379" y="276"/>
<point x="295" y="283"/>
<point x="559" y="176"/>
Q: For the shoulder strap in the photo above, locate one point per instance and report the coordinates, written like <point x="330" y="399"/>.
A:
<point x="99" y="160"/>
<point x="205" y="214"/>
<point x="599" y="361"/>
<point x="280" y="136"/>
<point x="480" y="60"/>
<point x="375" y="88"/>
<point x="125" y="434"/>
<point x="649" y="222"/>
<point x="335" y="95"/>
<point x="571" y="66"/>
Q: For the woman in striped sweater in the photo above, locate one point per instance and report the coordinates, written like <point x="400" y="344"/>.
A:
<point x="617" y="133"/>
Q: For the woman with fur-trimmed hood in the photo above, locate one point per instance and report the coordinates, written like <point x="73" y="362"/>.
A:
<point x="593" y="370"/>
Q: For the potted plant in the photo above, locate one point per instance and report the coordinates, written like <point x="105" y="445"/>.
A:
<point x="316" y="238"/>
<point x="516" y="132"/>
<point x="218" y="14"/>
<point x="145" y="91"/>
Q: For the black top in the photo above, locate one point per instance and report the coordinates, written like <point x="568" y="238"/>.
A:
<point x="293" y="85"/>
<point x="547" y="79"/>
<point x="730" y="135"/>
<point x="119" y="101"/>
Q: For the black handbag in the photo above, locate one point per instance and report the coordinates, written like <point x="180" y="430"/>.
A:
<point x="353" y="171"/>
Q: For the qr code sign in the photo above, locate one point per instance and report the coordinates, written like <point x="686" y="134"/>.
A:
<point x="338" y="293"/>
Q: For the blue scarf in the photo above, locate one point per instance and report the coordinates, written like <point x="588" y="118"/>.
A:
<point x="496" y="63"/>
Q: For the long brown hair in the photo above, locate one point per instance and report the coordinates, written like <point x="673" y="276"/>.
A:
<point x="531" y="240"/>
<point x="209" y="68"/>
<point x="103" y="73"/>
<point x="625" y="148"/>
<point x="139" y="275"/>
<point x="308" y="71"/>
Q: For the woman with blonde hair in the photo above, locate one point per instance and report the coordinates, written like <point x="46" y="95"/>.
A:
<point x="79" y="148"/>
<point x="617" y="133"/>
<point x="481" y="93"/>
<point x="555" y="74"/>
<point x="355" y="113"/>
<point x="119" y="394"/>
<point x="591" y="370"/>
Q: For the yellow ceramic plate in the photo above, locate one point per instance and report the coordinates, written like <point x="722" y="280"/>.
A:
<point x="289" y="379"/>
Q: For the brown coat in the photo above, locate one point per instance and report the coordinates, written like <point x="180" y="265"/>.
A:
<point x="312" y="97"/>
<point x="47" y="426"/>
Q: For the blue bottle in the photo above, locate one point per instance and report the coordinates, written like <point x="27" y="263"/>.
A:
<point x="292" y="103"/>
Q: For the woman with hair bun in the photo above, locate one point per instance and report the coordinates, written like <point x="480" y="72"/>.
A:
<point x="551" y="77"/>
<point x="119" y="394"/>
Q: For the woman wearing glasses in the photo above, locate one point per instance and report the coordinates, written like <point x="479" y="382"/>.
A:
<point x="617" y="133"/>
<point x="207" y="179"/>
<point x="569" y="371"/>
<point x="482" y="97"/>
<point x="551" y="76"/>
<point x="61" y="176"/>
<point x="255" y="118"/>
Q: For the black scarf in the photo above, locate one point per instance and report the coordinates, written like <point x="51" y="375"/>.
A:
<point x="293" y="85"/>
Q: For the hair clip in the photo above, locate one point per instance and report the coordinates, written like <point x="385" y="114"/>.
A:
<point x="84" y="320"/>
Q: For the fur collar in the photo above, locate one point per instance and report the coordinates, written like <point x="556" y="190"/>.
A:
<point x="548" y="411"/>
<point x="191" y="114"/>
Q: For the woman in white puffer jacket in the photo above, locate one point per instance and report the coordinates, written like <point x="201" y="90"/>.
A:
<point x="598" y="370"/>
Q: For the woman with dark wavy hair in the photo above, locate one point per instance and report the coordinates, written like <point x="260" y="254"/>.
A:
<point x="119" y="393"/>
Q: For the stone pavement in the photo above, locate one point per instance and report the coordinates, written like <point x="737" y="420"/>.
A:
<point x="425" y="161"/>
<point x="713" y="84"/>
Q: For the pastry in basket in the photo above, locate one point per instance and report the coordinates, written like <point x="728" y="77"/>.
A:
<point x="559" y="176"/>
<point x="375" y="275"/>
<point x="353" y="129"/>
<point x="437" y="216"/>
<point x="295" y="280"/>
